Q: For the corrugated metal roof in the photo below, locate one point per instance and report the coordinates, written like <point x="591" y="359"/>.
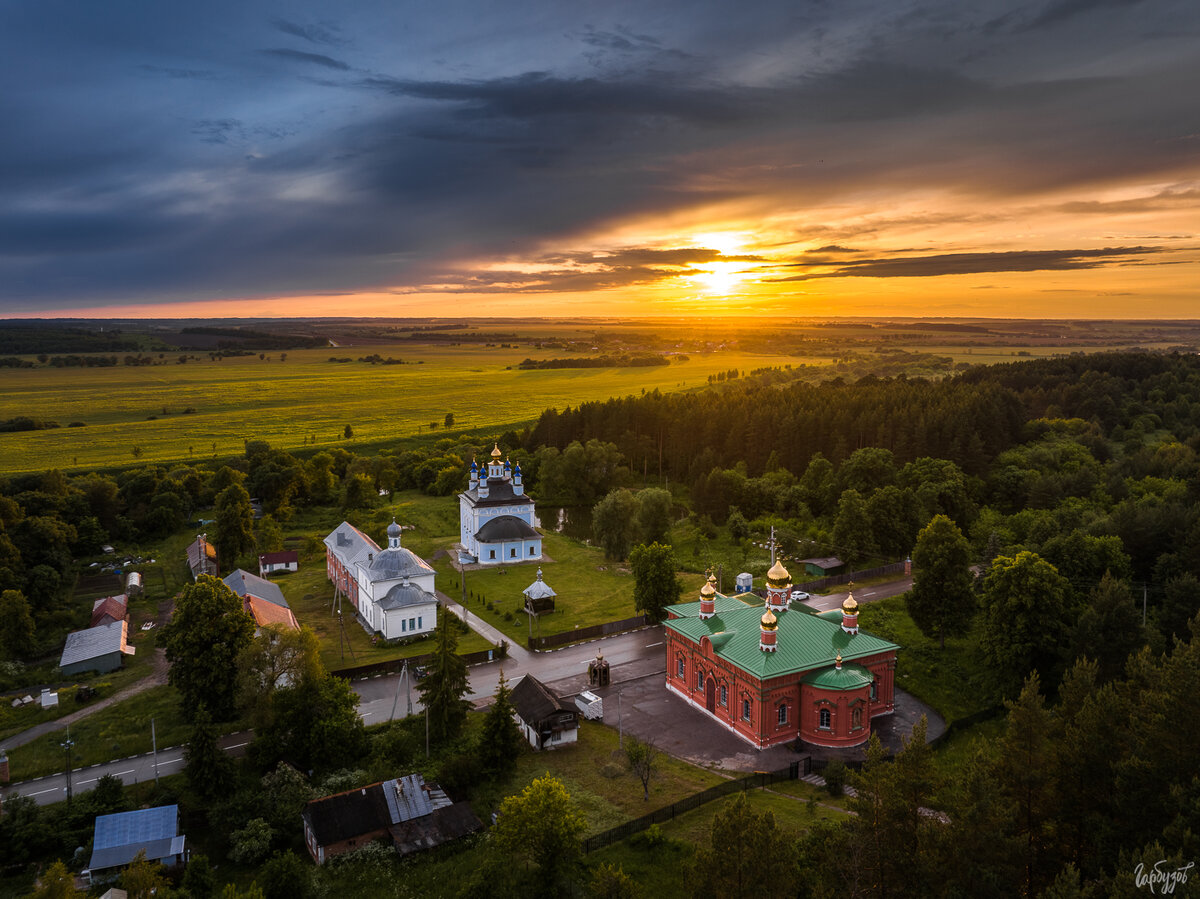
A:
<point x="350" y="545"/>
<point x="406" y="798"/>
<point x="94" y="642"/>
<point x="721" y="604"/>
<point x="268" y="613"/>
<point x="500" y="493"/>
<point x="141" y="825"/>
<point x="242" y="582"/>
<point x="803" y="641"/>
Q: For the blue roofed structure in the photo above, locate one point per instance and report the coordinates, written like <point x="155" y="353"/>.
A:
<point x="120" y="837"/>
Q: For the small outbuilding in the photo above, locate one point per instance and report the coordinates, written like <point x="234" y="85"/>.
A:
<point x="284" y="560"/>
<point x="545" y="720"/>
<point x="99" y="649"/>
<point x="826" y="566"/>
<point x="110" y="609"/>
<point x="133" y="584"/>
<point x="120" y="837"/>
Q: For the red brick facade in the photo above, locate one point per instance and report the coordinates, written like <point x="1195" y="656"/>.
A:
<point x="766" y="713"/>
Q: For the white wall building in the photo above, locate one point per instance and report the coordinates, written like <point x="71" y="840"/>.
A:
<point x="496" y="516"/>
<point x="392" y="590"/>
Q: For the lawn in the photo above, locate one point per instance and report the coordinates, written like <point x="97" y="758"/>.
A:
<point x="952" y="680"/>
<point x="202" y="409"/>
<point x="118" y="731"/>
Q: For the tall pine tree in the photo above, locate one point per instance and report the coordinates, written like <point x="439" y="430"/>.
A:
<point x="445" y="683"/>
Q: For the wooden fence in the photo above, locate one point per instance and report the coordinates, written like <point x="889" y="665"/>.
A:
<point x="588" y="633"/>
<point x="393" y="666"/>
<point x="758" y="780"/>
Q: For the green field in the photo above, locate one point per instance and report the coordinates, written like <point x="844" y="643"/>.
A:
<point x="305" y="399"/>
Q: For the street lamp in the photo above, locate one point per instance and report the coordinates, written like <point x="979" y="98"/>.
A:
<point x="68" y="744"/>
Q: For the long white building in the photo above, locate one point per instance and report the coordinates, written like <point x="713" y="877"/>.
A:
<point x="392" y="590"/>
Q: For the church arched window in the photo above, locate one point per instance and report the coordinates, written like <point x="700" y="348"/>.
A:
<point x="825" y="719"/>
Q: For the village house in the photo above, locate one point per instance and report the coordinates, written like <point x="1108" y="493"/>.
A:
<point x="120" y="837"/>
<point x="263" y="600"/>
<point x="101" y="648"/>
<point x="770" y="673"/>
<point x="392" y="590"/>
<point x="283" y="560"/>
<point x="496" y="515"/>
<point x="544" y="719"/>
<point x="202" y="557"/>
<point x="406" y="811"/>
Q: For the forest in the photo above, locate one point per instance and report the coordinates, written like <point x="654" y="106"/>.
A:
<point x="1070" y="486"/>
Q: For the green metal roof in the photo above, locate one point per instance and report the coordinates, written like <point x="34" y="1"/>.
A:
<point x="831" y="615"/>
<point x="721" y="604"/>
<point x="848" y="677"/>
<point x="803" y="641"/>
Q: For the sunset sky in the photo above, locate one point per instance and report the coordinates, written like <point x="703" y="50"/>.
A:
<point x="945" y="158"/>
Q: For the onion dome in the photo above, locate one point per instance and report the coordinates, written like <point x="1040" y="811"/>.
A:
<point x="769" y="623"/>
<point x="474" y="464"/>
<point x="708" y="589"/>
<point x="393" y="529"/>
<point x="778" y="576"/>
<point x="837" y="663"/>
<point x="850" y="605"/>
<point x="496" y="454"/>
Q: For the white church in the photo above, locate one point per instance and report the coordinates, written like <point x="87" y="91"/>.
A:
<point x="496" y="516"/>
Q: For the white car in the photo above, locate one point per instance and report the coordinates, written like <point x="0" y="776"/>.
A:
<point x="799" y="596"/>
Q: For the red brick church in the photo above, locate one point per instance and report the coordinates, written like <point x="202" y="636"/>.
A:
<point x="771" y="673"/>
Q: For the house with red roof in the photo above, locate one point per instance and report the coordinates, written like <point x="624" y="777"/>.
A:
<point x="284" y="560"/>
<point x="262" y="599"/>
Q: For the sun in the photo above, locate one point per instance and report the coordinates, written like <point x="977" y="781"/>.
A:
<point x="718" y="277"/>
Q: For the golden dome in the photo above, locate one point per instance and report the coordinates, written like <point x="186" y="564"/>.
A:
<point x="838" y="660"/>
<point x="712" y="578"/>
<point x="850" y="605"/>
<point x="708" y="589"/>
<point x="768" y="621"/>
<point x="778" y="575"/>
<point x="496" y="454"/>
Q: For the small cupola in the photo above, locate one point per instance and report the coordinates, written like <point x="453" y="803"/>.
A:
<point x="779" y="587"/>
<point x="837" y="663"/>
<point x="708" y="598"/>
<point x="517" y="484"/>
<point x="850" y="615"/>
<point x="393" y="533"/>
<point x="768" y="626"/>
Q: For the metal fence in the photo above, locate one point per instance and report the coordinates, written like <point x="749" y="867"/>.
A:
<point x="392" y="666"/>
<point x="587" y="633"/>
<point x="754" y="781"/>
<point x="866" y="574"/>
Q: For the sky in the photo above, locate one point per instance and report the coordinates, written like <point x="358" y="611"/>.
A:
<point x="782" y="158"/>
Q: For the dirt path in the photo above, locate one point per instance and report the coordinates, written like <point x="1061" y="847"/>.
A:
<point x="155" y="679"/>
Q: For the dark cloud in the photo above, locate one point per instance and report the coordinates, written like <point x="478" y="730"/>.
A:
<point x="172" y="72"/>
<point x="974" y="263"/>
<point x="1062" y="10"/>
<point x="317" y="59"/>
<point x="324" y="33"/>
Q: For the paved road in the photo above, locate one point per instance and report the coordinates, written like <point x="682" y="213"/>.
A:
<point x="632" y="656"/>
<point x="864" y="594"/>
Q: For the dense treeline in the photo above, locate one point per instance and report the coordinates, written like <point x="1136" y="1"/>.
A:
<point x="28" y="340"/>
<point x="685" y="435"/>
<point x="967" y="420"/>
<point x="628" y="361"/>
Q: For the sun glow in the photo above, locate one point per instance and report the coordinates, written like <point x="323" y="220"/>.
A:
<point x="718" y="277"/>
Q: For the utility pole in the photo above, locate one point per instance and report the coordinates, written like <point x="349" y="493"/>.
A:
<point x="620" y="727"/>
<point x="68" y="744"/>
<point x="1143" y="605"/>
